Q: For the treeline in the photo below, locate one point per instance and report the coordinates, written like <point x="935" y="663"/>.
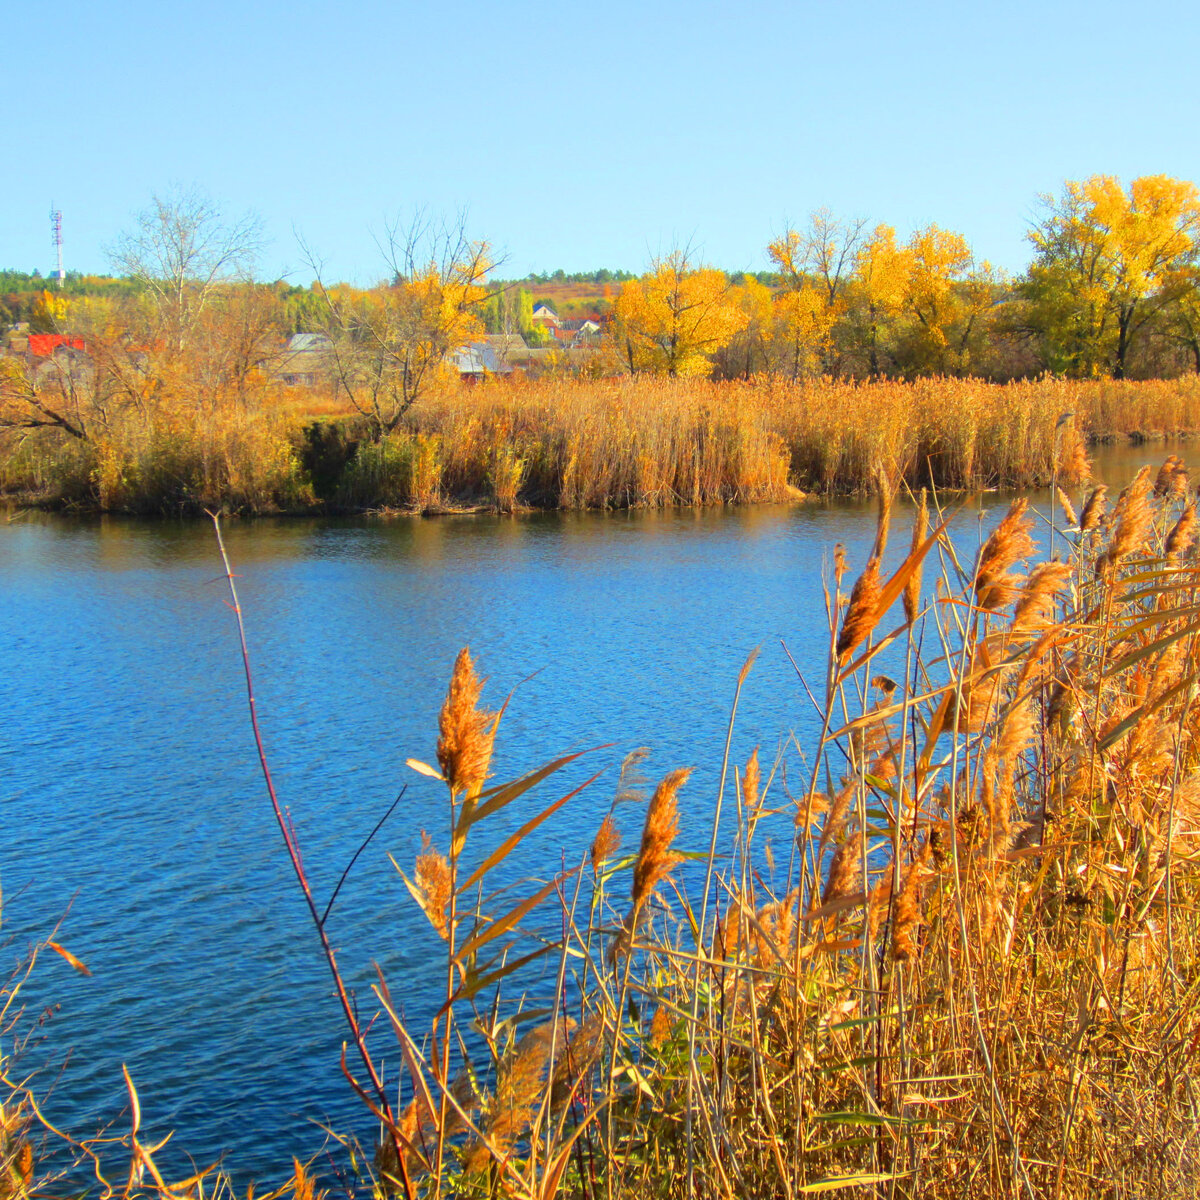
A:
<point x="37" y="301"/>
<point x="174" y="386"/>
<point x="601" y="277"/>
<point x="1113" y="290"/>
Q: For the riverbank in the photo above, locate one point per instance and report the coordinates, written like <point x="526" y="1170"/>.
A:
<point x="637" y="442"/>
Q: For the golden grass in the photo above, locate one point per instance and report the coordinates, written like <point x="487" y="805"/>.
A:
<point x="650" y="442"/>
<point x="621" y="442"/>
<point x="974" y="971"/>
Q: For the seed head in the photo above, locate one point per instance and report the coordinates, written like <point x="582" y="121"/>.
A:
<point x="995" y="585"/>
<point x="655" y="857"/>
<point x="912" y="589"/>
<point x="1183" y="532"/>
<point x="433" y="882"/>
<point x="1093" y="509"/>
<point x="606" y="844"/>
<point x="751" y="779"/>
<point x="862" y="613"/>
<point x="465" y="731"/>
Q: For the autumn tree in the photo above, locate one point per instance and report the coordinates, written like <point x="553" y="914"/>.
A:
<point x="801" y="333"/>
<point x="748" y="351"/>
<point x="938" y="261"/>
<point x="816" y="266"/>
<point x="182" y="252"/>
<point x="1107" y="262"/>
<point x="675" y="317"/>
<point x="390" y="341"/>
<point x="1182" y="317"/>
<point x="882" y="271"/>
<point x="75" y="393"/>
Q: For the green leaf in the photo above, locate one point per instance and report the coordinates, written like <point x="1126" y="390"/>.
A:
<point x="845" y="1181"/>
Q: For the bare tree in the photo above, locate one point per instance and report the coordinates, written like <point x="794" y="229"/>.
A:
<point x="182" y="250"/>
<point x="388" y="342"/>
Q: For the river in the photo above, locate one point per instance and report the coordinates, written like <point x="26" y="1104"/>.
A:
<point x="134" y="812"/>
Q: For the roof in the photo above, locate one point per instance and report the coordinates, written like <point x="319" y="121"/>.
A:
<point x="300" y="342"/>
<point x="479" y="359"/>
<point x="44" y="344"/>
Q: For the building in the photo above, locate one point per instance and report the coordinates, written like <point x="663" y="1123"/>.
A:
<point x="305" y="359"/>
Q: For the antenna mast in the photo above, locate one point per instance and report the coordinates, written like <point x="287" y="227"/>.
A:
<point x="56" y="241"/>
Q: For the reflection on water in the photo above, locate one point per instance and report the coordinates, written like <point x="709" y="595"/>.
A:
<point x="132" y="796"/>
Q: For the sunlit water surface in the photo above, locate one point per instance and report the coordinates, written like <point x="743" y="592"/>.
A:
<point x="133" y="808"/>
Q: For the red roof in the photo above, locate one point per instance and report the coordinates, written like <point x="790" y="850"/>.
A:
<point x="44" y="344"/>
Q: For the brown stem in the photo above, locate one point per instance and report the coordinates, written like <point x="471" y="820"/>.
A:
<point x="293" y="852"/>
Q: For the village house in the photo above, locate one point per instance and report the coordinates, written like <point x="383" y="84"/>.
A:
<point x="305" y="359"/>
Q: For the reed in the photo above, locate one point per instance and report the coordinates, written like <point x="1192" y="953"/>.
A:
<point x="601" y="443"/>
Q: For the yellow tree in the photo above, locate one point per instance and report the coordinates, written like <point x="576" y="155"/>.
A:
<point x="675" y="317"/>
<point x="881" y="282"/>
<point x="802" y="332"/>
<point x="938" y="260"/>
<point x="749" y="350"/>
<point x="1108" y="261"/>
<point x="820" y="261"/>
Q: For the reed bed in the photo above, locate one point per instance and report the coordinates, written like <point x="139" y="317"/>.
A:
<point x="593" y="443"/>
<point x="953" y="951"/>
<point x="649" y="441"/>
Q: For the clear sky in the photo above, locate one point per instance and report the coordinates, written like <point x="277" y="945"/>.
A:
<point x="582" y="135"/>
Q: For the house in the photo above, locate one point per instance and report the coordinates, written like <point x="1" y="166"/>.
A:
<point x="43" y="345"/>
<point x="305" y="359"/>
<point x="478" y="360"/>
<point x="577" y="334"/>
<point x="510" y="348"/>
<point x="546" y="318"/>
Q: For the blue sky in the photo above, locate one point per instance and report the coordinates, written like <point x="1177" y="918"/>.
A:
<point x="580" y="135"/>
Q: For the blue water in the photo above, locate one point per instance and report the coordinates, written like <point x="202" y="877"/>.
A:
<point x="134" y="811"/>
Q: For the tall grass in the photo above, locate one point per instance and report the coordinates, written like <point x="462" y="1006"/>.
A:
<point x="649" y="441"/>
<point x="625" y="442"/>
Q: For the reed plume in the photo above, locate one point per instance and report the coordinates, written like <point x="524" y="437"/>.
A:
<point x="519" y="1086"/>
<point x="1036" y="601"/>
<point x="995" y="585"/>
<point x="862" y="613"/>
<point x="1132" y="518"/>
<point x="1093" y="509"/>
<point x="1068" y="509"/>
<point x="1075" y="466"/>
<point x="883" y="520"/>
<point x="1172" y="478"/>
<point x="906" y="918"/>
<point x="751" y="781"/>
<point x="1183" y="532"/>
<point x="655" y="857"/>
<point x="466" y="732"/>
<point x="843" y="871"/>
<point x="606" y="843"/>
<point x="433" y="880"/>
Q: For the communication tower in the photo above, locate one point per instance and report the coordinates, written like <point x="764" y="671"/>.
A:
<point x="56" y="238"/>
